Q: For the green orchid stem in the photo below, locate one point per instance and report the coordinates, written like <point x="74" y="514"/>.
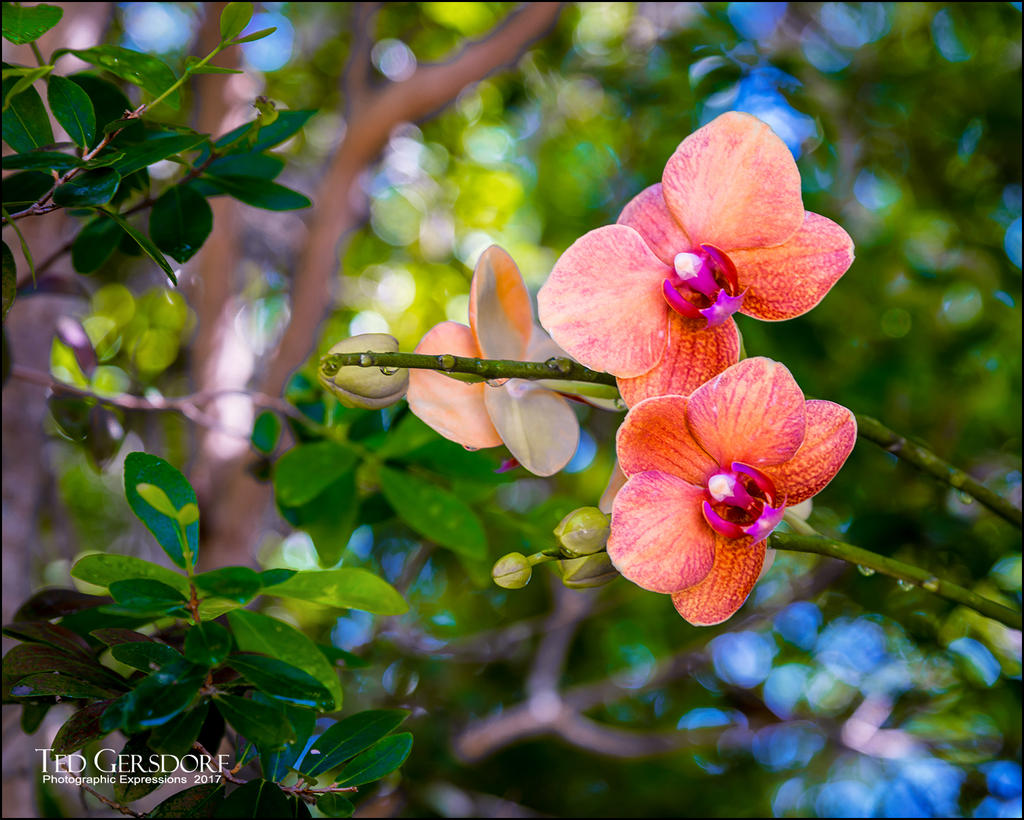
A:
<point x="819" y="545"/>
<point x="560" y="368"/>
<point x="563" y="369"/>
<point x="924" y="459"/>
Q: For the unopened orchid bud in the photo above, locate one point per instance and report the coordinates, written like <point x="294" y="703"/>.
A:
<point x="512" y="571"/>
<point x="370" y="388"/>
<point x="583" y="532"/>
<point x="589" y="571"/>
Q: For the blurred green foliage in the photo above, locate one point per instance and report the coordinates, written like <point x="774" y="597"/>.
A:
<point x="906" y="122"/>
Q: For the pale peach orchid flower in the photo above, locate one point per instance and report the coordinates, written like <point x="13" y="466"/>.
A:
<point x="537" y="425"/>
<point x="651" y="298"/>
<point x="709" y="477"/>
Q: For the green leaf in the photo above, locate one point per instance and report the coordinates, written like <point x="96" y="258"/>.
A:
<point x="157" y="146"/>
<point x="115" y="636"/>
<point x="142" y="468"/>
<point x="40" y="161"/>
<point x="263" y="166"/>
<point x="304" y="472"/>
<point x="349" y="737"/>
<point x="256" y="35"/>
<point x="329" y="518"/>
<point x="348" y="588"/>
<point x="434" y="513"/>
<point x="24" y="78"/>
<point x="127" y="789"/>
<point x="90" y="188"/>
<point x="28" y="659"/>
<point x="150" y="74"/>
<point x="24" y="188"/>
<point x="25" y="124"/>
<point x="233" y="20"/>
<point x="157" y="499"/>
<point x="103" y="569"/>
<point x="258" y="798"/>
<point x="282" y="681"/>
<point x="72" y="108"/>
<point x="80" y="729"/>
<point x="157" y="699"/>
<point x="109" y="104"/>
<point x="237" y="583"/>
<point x="198" y="801"/>
<point x="259" y="193"/>
<point x="285" y="126"/>
<point x="380" y="759"/>
<point x="270" y="577"/>
<point x="95" y="244"/>
<point x="265" y="430"/>
<point x="334" y="805"/>
<point x="145" y="597"/>
<point x="276" y="764"/>
<point x="25" y="24"/>
<point x="177" y="736"/>
<point x="53" y="635"/>
<point x="257" y="722"/>
<point x="146" y="656"/>
<point x="207" y="644"/>
<point x="45" y="684"/>
<point x="268" y="636"/>
<point x="144" y="242"/>
<point x="180" y="221"/>
<point x="10" y="282"/>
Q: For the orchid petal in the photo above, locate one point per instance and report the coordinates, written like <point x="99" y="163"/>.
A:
<point x="655" y="436"/>
<point x="790" y="279"/>
<point x="542" y="347"/>
<point x="615" y="482"/>
<point x="734" y="184"/>
<point x="537" y="425"/>
<point x="658" y="539"/>
<point x="603" y="304"/>
<point x="831" y="434"/>
<point x="737" y="567"/>
<point x="500" y="314"/>
<point x="453" y="408"/>
<point x="648" y="214"/>
<point x="752" y="413"/>
<point x="693" y="355"/>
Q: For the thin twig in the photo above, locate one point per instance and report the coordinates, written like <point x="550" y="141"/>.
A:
<point x="112" y="803"/>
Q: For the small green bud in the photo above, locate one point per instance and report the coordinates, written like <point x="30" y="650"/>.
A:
<point x="589" y="571"/>
<point x="583" y="532"/>
<point x="368" y="387"/>
<point x="512" y="571"/>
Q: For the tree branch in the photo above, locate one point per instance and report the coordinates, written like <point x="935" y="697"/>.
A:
<point x="370" y="123"/>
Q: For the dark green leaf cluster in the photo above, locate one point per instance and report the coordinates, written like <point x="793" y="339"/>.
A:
<point x="172" y="659"/>
<point x="102" y="173"/>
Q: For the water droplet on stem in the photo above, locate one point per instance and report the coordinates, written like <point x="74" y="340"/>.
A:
<point x="865" y="571"/>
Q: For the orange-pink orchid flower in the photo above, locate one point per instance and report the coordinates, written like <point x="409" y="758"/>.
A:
<point x="536" y="424"/>
<point x="711" y="474"/>
<point x="650" y="299"/>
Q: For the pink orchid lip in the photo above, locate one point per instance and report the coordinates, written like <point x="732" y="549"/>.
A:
<point x="741" y="501"/>
<point x="703" y="285"/>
